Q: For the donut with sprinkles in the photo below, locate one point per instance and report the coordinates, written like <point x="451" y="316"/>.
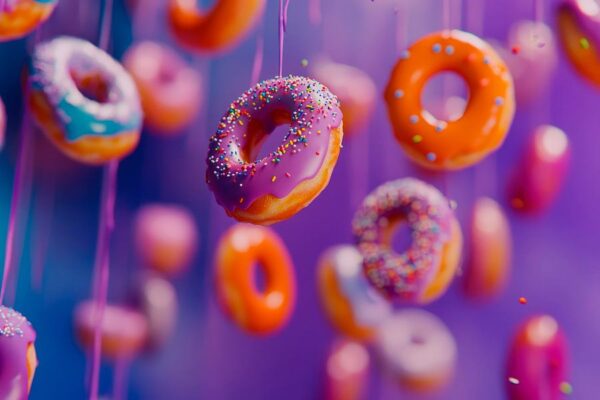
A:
<point x="423" y="272"/>
<point x="275" y="187"/>
<point x="455" y="144"/>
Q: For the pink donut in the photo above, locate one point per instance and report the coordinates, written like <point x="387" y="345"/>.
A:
<point x="156" y="298"/>
<point x="124" y="331"/>
<point x="18" y="359"/>
<point x="537" y="361"/>
<point x="539" y="176"/>
<point x="532" y="57"/>
<point x="170" y="90"/>
<point x="347" y="371"/>
<point x="166" y="237"/>
<point x="423" y="272"/>
<point x="355" y="89"/>
<point x="488" y="265"/>
<point x="277" y="186"/>
<point x="417" y="348"/>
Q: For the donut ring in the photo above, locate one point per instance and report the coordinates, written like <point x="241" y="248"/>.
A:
<point x="579" y="33"/>
<point x="241" y="249"/>
<point x="218" y="29"/>
<point x="538" y="360"/>
<point x="17" y="354"/>
<point x="282" y="183"/>
<point x="423" y="272"/>
<point x="84" y="101"/>
<point x="170" y="90"/>
<point x="449" y="145"/>
<point x="417" y="349"/>
<point x="20" y="17"/>
<point x="124" y="331"/>
<point x="350" y="303"/>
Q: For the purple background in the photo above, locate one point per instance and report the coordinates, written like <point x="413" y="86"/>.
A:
<point x="555" y="265"/>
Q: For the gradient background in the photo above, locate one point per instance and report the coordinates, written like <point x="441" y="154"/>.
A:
<point x="555" y="263"/>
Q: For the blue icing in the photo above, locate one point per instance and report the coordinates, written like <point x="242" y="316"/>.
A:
<point x="80" y="123"/>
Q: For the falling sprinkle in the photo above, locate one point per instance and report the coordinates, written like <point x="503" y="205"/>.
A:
<point x="566" y="388"/>
<point x="513" y="380"/>
<point x="417" y="139"/>
<point x="304" y="63"/>
<point x="522" y="300"/>
<point x="584" y="43"/>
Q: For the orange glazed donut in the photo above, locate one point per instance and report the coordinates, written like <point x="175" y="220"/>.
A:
<point x="219" y="28"/>
<point x="241" y="249"/>
<point x="438" y="144"/>
<point x="19" y="17"/>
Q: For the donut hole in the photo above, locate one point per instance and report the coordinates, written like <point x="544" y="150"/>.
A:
<point x="445" y="96"/>
<point x="398" y="235"/>
<point x="265" y="136"/>
<point x="260" y="279"/>
<point x="91" y="85"/>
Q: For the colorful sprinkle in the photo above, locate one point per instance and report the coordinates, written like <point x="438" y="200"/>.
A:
<point x="584" y="43"/>
<point x="304" y="63"/>
<point x="499" y="101"/>
<point x="417" y="139"/>
<point x="522" y="300"/>
<point x="437" y="48"/>
<point x="398" y="93"/>
<point x="431" y="157"/>
<point x="516" y="49"/>
<point x="449" y="50"/>
<point x="405" y="55"/>
<point x="513" y="380"/>
<point x="566" y="388"/>
<point x="414" y="119"/>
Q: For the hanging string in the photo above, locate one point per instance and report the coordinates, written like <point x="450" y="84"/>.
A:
<point x="282" y="29"/>
<point x="258" y="58"/>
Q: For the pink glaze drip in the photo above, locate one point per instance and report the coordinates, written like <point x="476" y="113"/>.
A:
<point x="16" y="334"/>
<point x="236" y="181"/>
<point x="537" y="361"/>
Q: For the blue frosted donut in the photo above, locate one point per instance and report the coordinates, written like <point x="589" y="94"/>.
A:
<point x="84" y="101"/>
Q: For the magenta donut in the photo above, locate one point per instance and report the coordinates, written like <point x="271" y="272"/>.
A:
<point x="280" y="184"/>
<point x="423" y="272"/>
<point x="537" y="361"/>
<point x="18" y="359"/>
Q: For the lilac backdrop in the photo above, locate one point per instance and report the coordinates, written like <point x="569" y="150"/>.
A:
<point x="209" y="358"/>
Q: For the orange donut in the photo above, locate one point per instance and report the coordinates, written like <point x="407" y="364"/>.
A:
<point x="221" y="27"/>
<point x="20" y="17"/>
<point x="438" y="144"/>
<point x="579" y="33"/>
<point x="241" y="249"/>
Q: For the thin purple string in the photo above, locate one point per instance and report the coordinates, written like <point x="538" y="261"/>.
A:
<point x="282" y="28"/>
<point x="258" y="59"/>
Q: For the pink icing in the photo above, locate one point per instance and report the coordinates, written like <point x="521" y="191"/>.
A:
<point x="313" y="112"/>
<point x="537" y="361"/>
<point x="16" y="333"/>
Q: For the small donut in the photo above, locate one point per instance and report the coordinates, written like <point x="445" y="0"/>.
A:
<point x="241" y="250"/>
<point x="417" y="349"/>
<point x="170" y="90"/>
<point x="84" y="101"/>
<point x="220" y="28"/>
<point x="449" y="145"/>
<point x="124" y="331"/>
<point x="351" y="304"/>
<point x="531" y="56"/>
<point x="423" y="272"/>
<point x="156" y="298"/>
<point x="578" y="24"/>
<point x="277" y="186"/>
<point x="347" y="371"/>
<point x="20" y="17"/>
<point x="541" y="172"/>
<point x="355" y="89"/>
<point x="17" y="355"/>
<point x="537" y="361"/>
<point x="490" y="251"/>
<point x="166" y="237"/>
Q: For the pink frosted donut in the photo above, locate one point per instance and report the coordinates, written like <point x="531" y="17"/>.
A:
<point x="537" y="361"/>
<point x="279" y="185"/>
<point x="488" y="265"/>
<point x="170" y="90"/>
<point x="351" y="304"/>
<point x="417" y="349"/>
<point x="166" y="237"/>
<point x="423" y="272"/>
<point x="531" y="56"/>
<point x="347" y="371"/>
<point x="540" y="175"/>
<point x="18" y="359"/>
<point x="355" y="89"/>
<point x="124" y="331"/>
<point x="156" y="298"/>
